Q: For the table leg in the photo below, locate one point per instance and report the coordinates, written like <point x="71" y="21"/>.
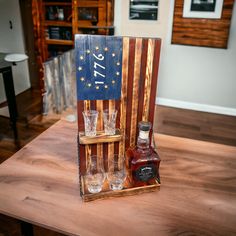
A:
<point x="27" y="229"/>
<point x="11" y="99"/>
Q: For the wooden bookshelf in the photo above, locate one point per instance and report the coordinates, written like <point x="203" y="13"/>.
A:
<point x="79" y="16"/>
<point x="59" y="42"/>
<point x="58" y="23"/>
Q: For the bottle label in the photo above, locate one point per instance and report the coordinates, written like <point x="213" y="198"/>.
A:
<point x="143" y="134"/>
<point x="146" y="172"/>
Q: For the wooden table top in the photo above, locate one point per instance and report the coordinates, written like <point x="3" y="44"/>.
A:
<point x="39" y="184"/>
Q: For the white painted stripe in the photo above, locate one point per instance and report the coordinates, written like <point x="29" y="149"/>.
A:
<point x="196" y="106"/>
<point x="99" y="82"/>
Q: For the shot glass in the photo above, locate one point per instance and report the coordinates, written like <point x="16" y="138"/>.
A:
<point x="90" y="122"/>
<point x="109" y="121"/>
<point x="116" y="172"/>
<point x="95" y="174"/>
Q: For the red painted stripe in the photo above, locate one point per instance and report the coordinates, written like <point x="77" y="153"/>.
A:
<point x="142" y="81"/>
<point x="81" y="148"/>
<point x="130" y="90"/>
<point x="80" y="108"/>
<point x="105" y="145"/>
<point x="155" y="69"/>
<point x="117" y="107"/>
<point x="93" y="106"/>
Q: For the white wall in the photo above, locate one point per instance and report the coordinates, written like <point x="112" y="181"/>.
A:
<point x="11" y="41"/>
<point x="191" y="77"/>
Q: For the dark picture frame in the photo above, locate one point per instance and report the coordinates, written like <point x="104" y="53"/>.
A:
<point x="143" y="9"/>
<point x="201" y="31"/>
<point x="203" y="5"/>
<point x="209" y="9"/>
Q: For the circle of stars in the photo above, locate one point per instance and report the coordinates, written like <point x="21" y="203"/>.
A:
<point x="80" y="68"/>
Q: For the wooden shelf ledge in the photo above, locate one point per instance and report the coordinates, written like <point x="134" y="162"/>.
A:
<point x="59" y="42"/>
<point x="57" y="23"/>
<point x="107" y="193"/>
<point x="101" y="137"/>
<point x="57" y="4"/>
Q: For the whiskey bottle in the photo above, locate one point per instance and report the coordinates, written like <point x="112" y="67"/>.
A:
<point x="142" y="160"/>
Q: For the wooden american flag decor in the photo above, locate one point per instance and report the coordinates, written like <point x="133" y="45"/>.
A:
<point x="135" y="72"/>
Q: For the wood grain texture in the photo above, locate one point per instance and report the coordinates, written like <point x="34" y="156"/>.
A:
<point x="137" y="64"/>
<point x="110" y="144"/>
<point x="101" y="137"/>
<point x="100" y="127"/>
<point x="107" y="193"/>
<point x="195" y="125"/>
<point x="148" y="79"/>
<point x="200" y="31"/>
<point x="124" y="87"/>
<point x="39" y="184"/>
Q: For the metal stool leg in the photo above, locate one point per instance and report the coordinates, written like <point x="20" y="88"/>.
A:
<point x="11" y="99"/>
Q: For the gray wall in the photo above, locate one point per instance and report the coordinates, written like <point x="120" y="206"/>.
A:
<point x="197" y="78"/>
<point x="11" y="41"/>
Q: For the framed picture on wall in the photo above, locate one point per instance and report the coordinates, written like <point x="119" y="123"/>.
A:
<point x="143" y="10"/>
<point x="211" y="9"/>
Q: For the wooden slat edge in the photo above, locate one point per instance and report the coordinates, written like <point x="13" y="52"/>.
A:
<point x="136" y="82"/>
<point x="123" y="103"/>
<point x="120" y="193"/>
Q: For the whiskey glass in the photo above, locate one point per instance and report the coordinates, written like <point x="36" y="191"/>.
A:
<point x="116" y="172"/>
<point x="109" y="121"/>
<point x="95" y="174"/>
<point x="90" y="122"/>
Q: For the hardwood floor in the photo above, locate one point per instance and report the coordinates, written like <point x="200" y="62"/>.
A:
<point x="29" y="125"/>
<point x="195" y="125"/>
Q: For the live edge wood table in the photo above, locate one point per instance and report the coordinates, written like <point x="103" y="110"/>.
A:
<point x="39" y="185"/>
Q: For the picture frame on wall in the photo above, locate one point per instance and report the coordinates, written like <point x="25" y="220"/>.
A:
<point x="209" y="9"/>
<point x="143" y="9"/>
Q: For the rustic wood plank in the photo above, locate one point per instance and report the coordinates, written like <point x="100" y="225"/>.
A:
<point x="123" y="103"/>
<point x="153" y="92"/>
<point x="142" y="79"/>
<point x="39" y="184"/>
<point x="99" y="104"/>
<point x="127" y="191"/>
<point x="131" y="55"/>
<point x="137" y="64"/>
<point x="201" y="31"/>
<point x="111" y="145"/>
<point x="101" y="137"/>
<point x="148" y="81"/>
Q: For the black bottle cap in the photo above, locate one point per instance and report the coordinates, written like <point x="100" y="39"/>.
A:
<point x="145" y="125"/>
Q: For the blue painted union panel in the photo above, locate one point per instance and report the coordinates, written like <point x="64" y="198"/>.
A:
<point x="98" y="67"/>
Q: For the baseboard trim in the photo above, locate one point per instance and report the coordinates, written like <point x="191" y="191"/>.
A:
<point x="196" y="106"/>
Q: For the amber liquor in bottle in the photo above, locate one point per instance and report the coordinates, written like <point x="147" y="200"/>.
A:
<point x="142" y="160"/>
